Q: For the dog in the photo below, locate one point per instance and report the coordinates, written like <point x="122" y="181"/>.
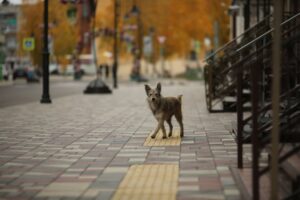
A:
<point x="163" y="108"/>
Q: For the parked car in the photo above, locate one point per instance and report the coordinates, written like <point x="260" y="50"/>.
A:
<point x="53" y="69"/>
<point x="20" y="72"/>
<point x="20" y="68"/>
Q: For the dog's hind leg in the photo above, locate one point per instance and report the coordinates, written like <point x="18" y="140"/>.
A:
<point x="178" y="117"/>
<point x="170" y="125"/>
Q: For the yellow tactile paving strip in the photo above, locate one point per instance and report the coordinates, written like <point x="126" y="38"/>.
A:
<point x="158" y="141"/>
<point x="157" y="181"/>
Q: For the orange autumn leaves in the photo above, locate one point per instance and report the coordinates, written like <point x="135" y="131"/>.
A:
<point x="63" y="34"/>
<point x="181" y="21"/>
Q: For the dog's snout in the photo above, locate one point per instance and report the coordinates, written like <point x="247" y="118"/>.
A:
<point x="153" y="99"/>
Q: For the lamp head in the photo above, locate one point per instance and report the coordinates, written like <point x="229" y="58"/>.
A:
<point x="135" y="10"/>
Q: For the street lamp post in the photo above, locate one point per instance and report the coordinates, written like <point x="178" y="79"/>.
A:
<point x="96" y="86"/>
<point x="45" y="96"/>
<point x="135" y="11"/>
<point x="115" y="64"/>
<point x="233" y="11"/>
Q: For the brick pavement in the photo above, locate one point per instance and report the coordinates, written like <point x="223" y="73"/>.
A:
<point x="82" y="146"/>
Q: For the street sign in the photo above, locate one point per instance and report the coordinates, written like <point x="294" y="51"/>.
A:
<point x="28" y="44"/>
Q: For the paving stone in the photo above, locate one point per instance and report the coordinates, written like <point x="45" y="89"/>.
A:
<point x="149" y="181"/>
<point x="105" y="184"/>
<point x="115" y="170"/>
<point x="75" y="141"/>
<point x="169" y="141"/>
<point x="64" y="190"/>
<point x="91" y="193"/>
<point x="229" y="192"/>
<point x="105" y="195"/>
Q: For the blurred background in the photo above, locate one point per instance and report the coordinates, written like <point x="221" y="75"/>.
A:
<point x="155" y="38"/>
<point x="246" y="51"/>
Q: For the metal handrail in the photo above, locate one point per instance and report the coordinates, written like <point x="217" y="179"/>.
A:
<point x="238" y="63"/>
<point x="256" y="39"/>
<point x="235" y="64"/>
<point x="236" y="38"/>
<point x="268" y="106"/>
<point x="266" y="33"/>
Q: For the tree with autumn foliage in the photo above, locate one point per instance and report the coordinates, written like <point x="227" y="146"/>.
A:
<point x="62" y="33"/>
<point x="180" y="21"/>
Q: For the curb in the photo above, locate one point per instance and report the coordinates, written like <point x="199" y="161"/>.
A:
<point x="5" y="83"/>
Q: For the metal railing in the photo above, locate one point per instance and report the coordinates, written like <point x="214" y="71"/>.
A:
<point x="267" y="33"/>
<point x="257" y="65"/>
<point x="247" y="31"/>
<point x="218" y="73"/>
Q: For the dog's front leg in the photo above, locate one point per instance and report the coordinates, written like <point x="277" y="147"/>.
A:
<point x="156" y="131"/>
<point x="160" y="125"/>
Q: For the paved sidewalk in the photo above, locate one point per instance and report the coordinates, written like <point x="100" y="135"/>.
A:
<point x="92" y="147"/>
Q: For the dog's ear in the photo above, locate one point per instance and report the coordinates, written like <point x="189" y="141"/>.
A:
<point x="147" y="89"/>
<point x="158" y="88"/>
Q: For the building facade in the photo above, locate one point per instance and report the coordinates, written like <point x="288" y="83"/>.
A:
<point x="9" y="23"/>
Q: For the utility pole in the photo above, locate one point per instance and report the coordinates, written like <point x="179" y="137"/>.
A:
<point x="45" y="95"/>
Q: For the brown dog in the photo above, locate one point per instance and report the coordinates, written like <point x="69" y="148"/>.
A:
<point x="163" y="108"/>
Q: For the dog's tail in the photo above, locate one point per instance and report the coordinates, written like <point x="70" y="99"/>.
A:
<point x="180" y="98"/>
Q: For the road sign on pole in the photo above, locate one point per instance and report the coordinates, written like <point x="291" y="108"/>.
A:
<point x="28" y="44"/>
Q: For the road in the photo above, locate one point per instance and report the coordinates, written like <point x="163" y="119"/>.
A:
<point x="21" y="92"/>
